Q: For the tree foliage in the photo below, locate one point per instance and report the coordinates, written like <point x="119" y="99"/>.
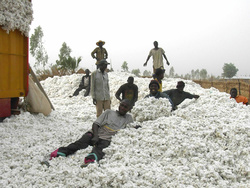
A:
<point x="171" y="72"/>
<point x="229" y="70"/>
<point x="187" y="76"/>
<point x="203" y="74"/>
<point x="125" y="66"/>
<point x="146" y="73"/>
<point x="66" y="62"/>
<point x="195" y="74"/>
<point x="136" y="72"/>
<point x="37" y="49"/>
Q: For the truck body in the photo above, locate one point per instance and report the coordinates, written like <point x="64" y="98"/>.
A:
<point x="14" y="69"/>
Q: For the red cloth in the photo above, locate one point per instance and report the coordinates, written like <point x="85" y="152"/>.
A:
<point x="240" y="99"/>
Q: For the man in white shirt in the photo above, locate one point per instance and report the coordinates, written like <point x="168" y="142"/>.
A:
<point x="100" y="88"/>
<point x="158" y="54"/>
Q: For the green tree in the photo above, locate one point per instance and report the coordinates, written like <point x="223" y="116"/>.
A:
<point x="203" y="74"/>
<point x="229" y="70"/>
<point x="171" y="72"/>
<point x="37" y="49"/>
<point x="66" y="62"/>
<point x="187" y="76"/>
<point x="64" y="52"/>
<point x="125" y="66"/>
<point x="192" y="74"/>
<point x="136" y="72"/>
<point x="147" y="73"/>
<point x="197" y="74"/>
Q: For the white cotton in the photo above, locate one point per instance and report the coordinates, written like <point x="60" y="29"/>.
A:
<point x="204" y="143"/>
<point x="16" y="15"/>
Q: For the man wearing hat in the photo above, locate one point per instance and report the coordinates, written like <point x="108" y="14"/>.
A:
<point x="154" y="87"/>
<point x="100" y="88"/>
<point x="99" y="53"/>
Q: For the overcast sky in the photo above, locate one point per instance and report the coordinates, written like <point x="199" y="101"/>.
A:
<point x="195" y="34"/>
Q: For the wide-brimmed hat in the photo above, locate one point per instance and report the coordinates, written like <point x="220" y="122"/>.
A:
<point x="103" y="61"/>
<point x="100" y="42"/>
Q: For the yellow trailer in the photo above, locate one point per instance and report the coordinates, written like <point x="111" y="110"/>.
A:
<point x="14" y="69"/>
<point x="14" y="51"/>
<point x="14" y="66"/>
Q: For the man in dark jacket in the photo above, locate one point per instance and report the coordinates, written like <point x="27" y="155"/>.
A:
<point x="178" y="95"/>
<point x="85" y="84"/>
<point x="128" y="91"/>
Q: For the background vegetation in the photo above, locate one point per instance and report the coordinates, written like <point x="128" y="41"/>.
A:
<point x="66" y="64"/>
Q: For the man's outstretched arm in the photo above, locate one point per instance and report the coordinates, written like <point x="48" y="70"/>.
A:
<point x="145" y="64"/>
<point x="165" y="57"/>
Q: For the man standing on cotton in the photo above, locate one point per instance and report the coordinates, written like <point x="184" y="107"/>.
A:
<point x="99" y="52"/>
<point x="158" y="54"/>
<point x="100" y="88"/>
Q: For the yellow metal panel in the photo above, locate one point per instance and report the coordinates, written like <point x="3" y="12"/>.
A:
<point x="13" y="64"/>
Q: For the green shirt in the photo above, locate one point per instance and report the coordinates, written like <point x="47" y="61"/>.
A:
<point x="99" y="53"/>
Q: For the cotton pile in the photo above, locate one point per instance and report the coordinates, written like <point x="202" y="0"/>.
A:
<point x="16" y="15"/>
<point x="204" y="143"/>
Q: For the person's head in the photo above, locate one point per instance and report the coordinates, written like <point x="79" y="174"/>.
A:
<point x="153" y="87"/>
<point x="156" y="44"/>
<point x="180" y="85"/>
<point x="100" y="43"/>
<point x="103" y="65"/>
<point x="233" y="92"/>
<point x="125" y="106"/>
<point x="159" y="73"/>
<point x="130" y="80"/>
<point x="87" y="72"/>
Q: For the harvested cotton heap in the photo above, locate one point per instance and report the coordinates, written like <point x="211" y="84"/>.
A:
<point x="16" y="15"/>
<point x="204" y="143"/>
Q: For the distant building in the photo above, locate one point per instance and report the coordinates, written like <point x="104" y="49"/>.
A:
<point x="245" y="79"/>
